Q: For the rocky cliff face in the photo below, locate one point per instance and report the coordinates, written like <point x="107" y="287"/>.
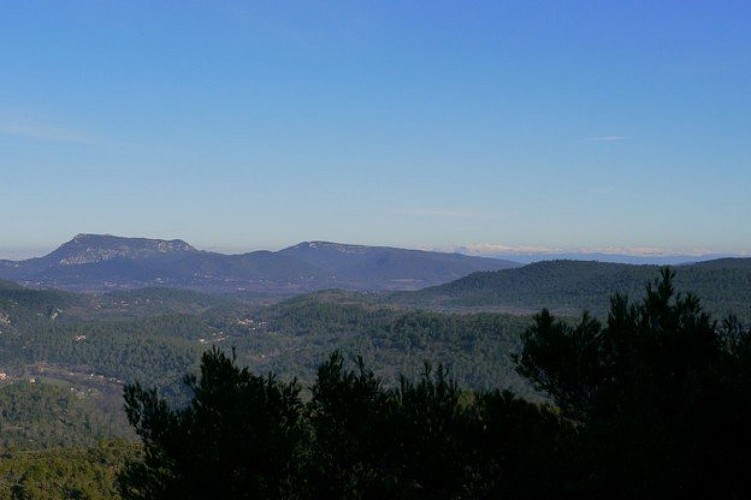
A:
<point x="92" y="248"/>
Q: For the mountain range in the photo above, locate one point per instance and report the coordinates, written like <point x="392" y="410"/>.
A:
<point x="95" y="263"/>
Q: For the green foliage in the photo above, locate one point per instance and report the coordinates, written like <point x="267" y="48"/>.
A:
<point x="660" y="394"/>
<point x="430" y="427"/>
<point x="521" y="450"/>
<point x="652" y="403"/>
<point x="567" y="287"/>
<point x="296" y="334"/>
<point x="348" y="414"/>
<point x="95" y="344"/>
<point x="38" y="415"/>
<point x="155" y="301"/>
<point x="22" y="308"/>
<point x="651" y="399"/>
<point x="84" y="473"/>
<point x="236" y="439"/>
<point x="248" y="436"/>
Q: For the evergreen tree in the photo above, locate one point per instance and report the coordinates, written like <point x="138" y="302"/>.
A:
<point x="350" y="415"/>
<point x="236" y="439"/>
<point x="656" y="393"/>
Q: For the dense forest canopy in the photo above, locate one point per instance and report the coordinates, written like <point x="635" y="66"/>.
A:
<point x="636" y="399"/>
<point x="569" y="287"/>
<point x="652" y="403"/>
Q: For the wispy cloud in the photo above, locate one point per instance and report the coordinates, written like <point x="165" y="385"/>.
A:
<point x="606" y="138"/>
<point x="44" y="133"/>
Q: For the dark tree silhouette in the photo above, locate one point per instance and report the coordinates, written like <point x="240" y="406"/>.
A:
<point x="236" y="439"/>
<point x="349" y="413"/>
<point x="653" y="402"/>
<point x="654" y="393"/>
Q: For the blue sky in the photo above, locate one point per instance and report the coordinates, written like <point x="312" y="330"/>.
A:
<point x="485" y="125"/>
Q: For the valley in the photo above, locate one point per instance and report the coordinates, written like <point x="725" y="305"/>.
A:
<point x="66" y="355"/>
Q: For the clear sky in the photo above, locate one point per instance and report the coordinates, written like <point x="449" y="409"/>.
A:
<point x="240" y="125"/>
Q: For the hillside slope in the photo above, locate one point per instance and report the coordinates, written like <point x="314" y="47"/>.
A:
<point x="569" y="287"/>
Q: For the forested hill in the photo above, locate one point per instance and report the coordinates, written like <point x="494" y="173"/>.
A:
<point x="569" y="287"/>
<point x="20" y="306"/>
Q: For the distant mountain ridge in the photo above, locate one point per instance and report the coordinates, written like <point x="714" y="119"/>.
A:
<point x="352" y="263"/>
<point x="91" y="262"/>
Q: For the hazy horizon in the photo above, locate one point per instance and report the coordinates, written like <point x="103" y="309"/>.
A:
<point x="523" y="255"/>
